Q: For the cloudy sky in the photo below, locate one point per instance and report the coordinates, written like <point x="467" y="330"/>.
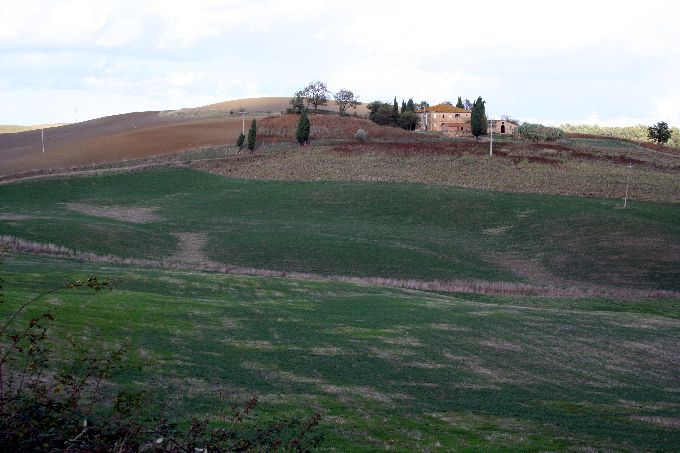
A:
<point x="605" y="62"/>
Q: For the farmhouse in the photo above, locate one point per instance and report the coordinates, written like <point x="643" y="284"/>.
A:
<point x="445" y="118"/>
<point x="455" y="121"/>
<point x="503" y="126"/>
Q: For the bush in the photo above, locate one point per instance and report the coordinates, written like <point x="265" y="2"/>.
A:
<point x="241" y="139"/>
<point x="361" y="135"/>
<point x="538" y="132"/>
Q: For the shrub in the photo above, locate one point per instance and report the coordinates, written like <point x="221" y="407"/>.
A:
<point x="241" y="139"/>
<point x="538" y="132"/>
<point x="361" y="135"/>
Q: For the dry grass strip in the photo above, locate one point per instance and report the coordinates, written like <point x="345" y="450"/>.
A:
<point x="459" y="286"/>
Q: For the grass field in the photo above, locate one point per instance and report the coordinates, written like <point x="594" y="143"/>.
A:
<point x="388" y="369"/>
<point x="360" y="229"/>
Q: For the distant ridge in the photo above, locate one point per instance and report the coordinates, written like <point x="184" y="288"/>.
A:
<point x="10" y="128"/>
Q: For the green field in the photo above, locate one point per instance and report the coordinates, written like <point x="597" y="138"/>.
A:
<point x="359" y="229"/>
<point x="387" y="368"/>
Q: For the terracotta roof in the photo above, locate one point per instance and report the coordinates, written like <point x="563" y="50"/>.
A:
<point x="443" y="108"/>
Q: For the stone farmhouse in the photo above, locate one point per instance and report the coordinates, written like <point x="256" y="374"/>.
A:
<point x="445" y="118"/>
<point x="455" y="122"/>
<point x="503" y="126"/>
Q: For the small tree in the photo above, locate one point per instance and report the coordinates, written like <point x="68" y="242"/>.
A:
<point x="240" y="140"/>
<point x="660" y="133"/>
<point x="395" y="108"/>
<point x="316" y="94"/>
<point x="297" y="104"/>
<point x="410" y="106"/>
<point x="459" y="104"/>
<point x="478" y="118"/>
<point x="252" y="135"/>
<point x="303" y="129"/>
<point x="346" y="99"/>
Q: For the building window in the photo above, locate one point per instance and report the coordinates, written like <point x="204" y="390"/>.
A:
<point x="457" y="115"/>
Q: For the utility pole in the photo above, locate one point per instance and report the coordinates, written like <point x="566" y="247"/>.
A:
<point x="243" y="122"/>
<point x="625" y="200"/>
<point x="491" y="142"/>
<point x="42" y="138"/>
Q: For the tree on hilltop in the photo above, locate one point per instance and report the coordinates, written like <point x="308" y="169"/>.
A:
<point x="297" y="104"/>
<point x="316" y="94"/>
<point x="346" y="99"/>
<point x="660" y="133"/>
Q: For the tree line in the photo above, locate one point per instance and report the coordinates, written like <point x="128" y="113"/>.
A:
<point x="387" y="114"/>
<point x="316" y="95"/>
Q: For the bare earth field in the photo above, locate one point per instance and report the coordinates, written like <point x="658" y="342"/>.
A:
<point x="524" y="169"/>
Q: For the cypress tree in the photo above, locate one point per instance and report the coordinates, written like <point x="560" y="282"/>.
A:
<point x="410" y="106"/>
<point x="459" y="104"/>
<point x="403" y="106"/>
<point x="252" y="135"/>
<point x="395" y="108"/>
<point x="478" y="118"/>
<point x="240" y="140"/>
<point x="303" y="128"/>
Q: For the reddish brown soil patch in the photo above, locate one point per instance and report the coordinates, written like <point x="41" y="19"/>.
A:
<point x="112" y="139"/>
<point x="282" y="128"/>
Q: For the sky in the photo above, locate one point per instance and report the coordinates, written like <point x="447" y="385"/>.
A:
<point x="611" y="63"/>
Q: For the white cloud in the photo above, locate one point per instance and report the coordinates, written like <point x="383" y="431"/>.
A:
<point x="617" y="59"/>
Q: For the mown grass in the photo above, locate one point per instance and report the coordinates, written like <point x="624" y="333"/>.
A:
<point x="361" y="229"/>
<point x="388" y="369"/>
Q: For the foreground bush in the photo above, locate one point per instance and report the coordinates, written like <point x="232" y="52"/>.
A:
<point x="539" y="133"/>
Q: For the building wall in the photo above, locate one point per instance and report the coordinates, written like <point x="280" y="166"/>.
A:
<point x="509" y="129"/>
<point x="445" y="122"/>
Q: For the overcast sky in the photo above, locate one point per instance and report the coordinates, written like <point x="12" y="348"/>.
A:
<point x="605" y="62"/>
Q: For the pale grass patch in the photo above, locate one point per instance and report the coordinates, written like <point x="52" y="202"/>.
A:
<point x="448" y="327"/>
<point x="502" y="345"/>
<point x="328" y="351"/>
<point x="497" y="231"/>
<point x="402" y="341"/>
<point x="122" y="213"/>
<point x="391" y="355"/>
<point x="427" y="365"/>
<point x="190" y="248"/>
<point x="665" y="422"/>
<point x="261" y="345"/>
<point x="14" y="217"/>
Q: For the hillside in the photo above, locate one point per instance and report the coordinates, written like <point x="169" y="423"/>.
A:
<point x="126" y="137"/>
<point x="9" y="128"/>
